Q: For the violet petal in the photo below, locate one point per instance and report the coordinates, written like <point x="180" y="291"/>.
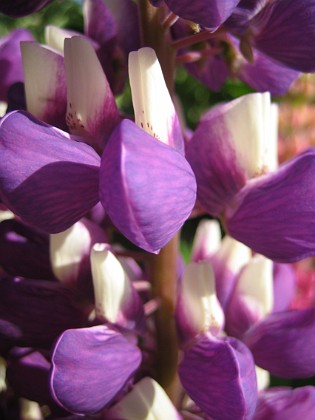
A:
<point x="24" y="251"/>
<point x="264" y="74"/>
<point x="46" y="178"/>
<point x="274" y="215"/>
<point x="33" y="312"/>
<point x="28" y="374"/>
<point x="219" y="375"/>
<point x="10" y="59"/>
<point x="209" y="13"/>
<point x="283" y="343"/>
<point x="290" y="20"/>
<point x="286" y="403"/>
<point x="90" y="367"/>
<point x="146" y="187"/>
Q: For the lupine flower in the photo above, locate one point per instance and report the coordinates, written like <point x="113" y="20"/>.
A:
<point x="130" y="151"/>
<point x="220" y="366"/>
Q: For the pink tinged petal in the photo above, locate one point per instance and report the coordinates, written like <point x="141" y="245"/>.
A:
<point x="210" y="13"/>
<point x="286" y="403"/>
<point x="198" y="309"/>
<point x="219" y="375"/>
<point x="252" y="298"/>
<point x="45" y="83"/>
<point x="274" y="215"/>
<point x="19" y="8"/>
<point x="116" y="300"/>
<point x="227" y="263"/>
<point x="147" y="188"/>
<point x="91" y="112"/>
<point x="284" y="286"/>
<point x="290" y="20"/>
<point x="46" y="178"/>
<point x="232" y="143"/>
<point x="11" y="68"/>
<point x="147" y="400"/>
<point x="90" y="367"/>
<point x="283" y="343"/>
<point x="152" y="103"/>
<point x="70" y="254"/>
<point x="207" y="240"/>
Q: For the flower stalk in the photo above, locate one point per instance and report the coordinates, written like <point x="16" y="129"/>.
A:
<point x="163" y="267"/>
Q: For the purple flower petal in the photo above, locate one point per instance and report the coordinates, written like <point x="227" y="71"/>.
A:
<point x="264" y="74"/>
<point x="46" y="178"/>
<point x="208" y="13"/>
<point x="290" y="20"/>
<point x="286" y="403"/>
<point x="11" y="68"/>
<point x="33" y="312"/>
<point x="24" y="251"/>
<point x="28" y="374"/>
<point x="90" y="367"/>
<point x="18" y="8"/>
<point x="275" y="215"/>
<point x="283" y="343"/>
<point x="219" y="375"/>
<point x="211" y="71"/>
<point x="146" y="187"/>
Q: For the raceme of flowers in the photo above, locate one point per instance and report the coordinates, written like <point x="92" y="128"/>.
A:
<point x="80" y="310"/>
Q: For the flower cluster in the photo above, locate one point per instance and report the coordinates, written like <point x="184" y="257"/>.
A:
<point x="100" y="317"/>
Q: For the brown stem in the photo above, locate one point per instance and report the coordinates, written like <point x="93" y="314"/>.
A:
<point x="154" y="35"/>
<point x="163" y="275"/>
<point x="163" y="267"/>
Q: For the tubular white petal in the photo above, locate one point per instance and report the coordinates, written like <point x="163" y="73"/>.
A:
<point x="200" y="302"/>
<point x="207" y="240"/>
<point x="112" y="287"/>
<point x="146" y="401"/>
<point x="67" y="250"/>
<point x="250" y="123"/>
<point x="256" y="283"/>
<point x="233" y="254"/>
<point x="3" y="367"/>
<point x="263" y="378"/>
<point x="55" y="37"/>
<point x="30" y="410"/>
<point x="91" y="110"/>
<point x="44" y="76"/>
<point x="153" y="106"/>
